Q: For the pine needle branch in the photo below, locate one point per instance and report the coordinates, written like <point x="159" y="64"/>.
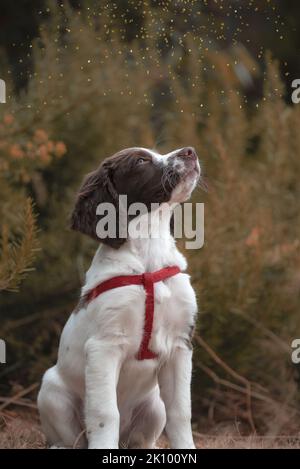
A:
<point x="18" y="253"/>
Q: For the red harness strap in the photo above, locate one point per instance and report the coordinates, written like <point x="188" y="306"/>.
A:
<point x="147" y="280"/>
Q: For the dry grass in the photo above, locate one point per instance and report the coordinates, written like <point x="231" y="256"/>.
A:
<point x="22" y="431"/>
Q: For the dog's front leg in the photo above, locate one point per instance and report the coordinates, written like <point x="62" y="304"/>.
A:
<point x="175" y="388"/>
<point x="103" y="361"/>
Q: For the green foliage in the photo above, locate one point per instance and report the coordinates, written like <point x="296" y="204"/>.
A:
<point x="93" y="94"/>
<point x="16" y="256"/>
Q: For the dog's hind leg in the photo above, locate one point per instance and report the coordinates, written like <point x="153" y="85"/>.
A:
<point x="148" y="422"/>
<point x="59" y="412"/>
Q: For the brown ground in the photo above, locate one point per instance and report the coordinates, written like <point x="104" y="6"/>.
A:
<point x="22" y="430"/>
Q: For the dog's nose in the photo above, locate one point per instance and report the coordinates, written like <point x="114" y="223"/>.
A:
<point x="187" y="152"/>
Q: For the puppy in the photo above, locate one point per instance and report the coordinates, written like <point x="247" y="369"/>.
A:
<point x="124" y="363"/>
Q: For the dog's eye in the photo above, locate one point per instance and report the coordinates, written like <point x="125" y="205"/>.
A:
<point x="141" y="161"/>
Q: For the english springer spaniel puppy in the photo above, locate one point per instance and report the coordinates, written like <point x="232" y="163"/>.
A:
<point x="124" y="364"/>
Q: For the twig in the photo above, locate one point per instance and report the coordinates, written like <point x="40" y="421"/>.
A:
<point x="22" y="322"/>
<point x="245" y="437"/>
<point x="264" y="329"/>
<point x="240" y="389"/>
<point x="78" y="438"/>
<point x="233" y="373"/>
<point x="16" y="397"/>
<point x="233" y="386"/>
<point x="20" y="402"/>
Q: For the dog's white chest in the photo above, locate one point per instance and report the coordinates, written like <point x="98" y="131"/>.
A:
<point x="175" y="308"/>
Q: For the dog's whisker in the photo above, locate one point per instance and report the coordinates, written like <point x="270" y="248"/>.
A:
<point x="203" y="184"/>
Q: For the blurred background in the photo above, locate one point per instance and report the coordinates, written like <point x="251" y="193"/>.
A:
<point x="85" y="79"/>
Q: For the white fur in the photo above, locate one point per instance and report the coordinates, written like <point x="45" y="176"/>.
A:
<point x="97" y="383"/>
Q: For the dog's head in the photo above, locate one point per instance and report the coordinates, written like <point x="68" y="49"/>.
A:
<point x="142" y="175"/>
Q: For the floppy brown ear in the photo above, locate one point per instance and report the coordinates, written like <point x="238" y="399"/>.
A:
<point x="96" y="188"/>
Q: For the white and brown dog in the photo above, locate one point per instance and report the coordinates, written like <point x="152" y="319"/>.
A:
<point x="124" y="362"/>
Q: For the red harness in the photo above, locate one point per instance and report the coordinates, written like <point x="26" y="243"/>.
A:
<point x="147" y="280"/>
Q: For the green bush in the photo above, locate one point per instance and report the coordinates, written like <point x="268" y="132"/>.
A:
<point x="92" y="93"/>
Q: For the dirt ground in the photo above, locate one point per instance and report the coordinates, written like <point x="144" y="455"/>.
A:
<point x="21" y="430"/>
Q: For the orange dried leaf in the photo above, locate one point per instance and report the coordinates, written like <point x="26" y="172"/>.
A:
<point x="252" y="239"/>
